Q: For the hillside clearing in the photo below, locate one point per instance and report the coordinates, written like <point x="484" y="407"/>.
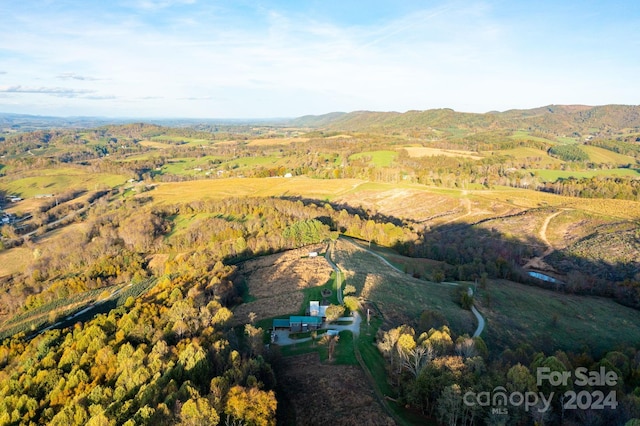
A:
<point x="275" y="283"/>
<point x="338" y="394"/>
<point x="429" y="152"/>
<point x="517" y="313"/>
<point x="400" y="297"/>
<point x="173" y="192"/>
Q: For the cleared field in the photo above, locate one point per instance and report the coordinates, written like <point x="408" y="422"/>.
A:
<point x="601" y="155"/>
<point x="400" y="297"/>
<point x="181" y="222"/>
<point x="524" y="135"/>
<point x="188" y="166"/>
<point x="14" y="260"/>
<point x="341" y="394"/>
<point x="572" y="225"/>
<point x="156" y="144"/>
<point x="275" y="306"/>
<point x="51" y="181"/>
<point x="535" y="155"/>
<point x="554" y="175"/>
<point x="285" y="272"/>
<point x="524" y="227"/>
<point x="275" y="141"/>
<point x="246" y="162"/>
<point x="566" y="140"/>
<point x="430" y="152"/>
<point x="378" y="158"/>
<point x="517" y="314"/>
<point x="173" y="192"/>
<point x="413" y="204"/>
<point x="188" y="141"/>
<point x="623" y="209"/>
<point x="277" y="282"/>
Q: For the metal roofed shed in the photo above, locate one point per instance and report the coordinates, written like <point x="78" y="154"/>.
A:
<point x="280" y="323"/>
<point x="300" y="323"/>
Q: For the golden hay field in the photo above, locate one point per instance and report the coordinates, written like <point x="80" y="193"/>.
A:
<point x="622" y="209"/>
<point x="430" y="152"/>
<point x="14" y="260"/>
<point x="275" y="141"/>
<point x="173" y="192"/>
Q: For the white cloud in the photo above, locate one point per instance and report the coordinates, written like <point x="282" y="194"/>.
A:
<point x="74" y="76"/>
<point x="56" y="91"/>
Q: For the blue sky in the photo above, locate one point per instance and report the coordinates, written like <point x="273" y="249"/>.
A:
<point x="255" y="59"/>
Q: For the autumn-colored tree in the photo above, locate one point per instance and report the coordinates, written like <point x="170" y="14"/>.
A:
<point x="198" y="412"/>
<point x="252" y="405"/>
<point x="333" y="312"/>
<point x="330" y="340"/>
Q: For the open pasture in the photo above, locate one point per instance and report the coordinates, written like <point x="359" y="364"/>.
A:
<point x="400" y="297"/>
<point x="430" y="152"/>
<point x="56" y="180"/>
<point x="173" y="192"/>
<point x="517" y="313"/>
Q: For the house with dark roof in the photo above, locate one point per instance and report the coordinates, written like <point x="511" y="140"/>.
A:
<point x="316" y="314"/>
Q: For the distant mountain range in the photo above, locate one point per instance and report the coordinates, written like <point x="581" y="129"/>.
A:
<point x="558" y="119"/>
<point x="555" y="119"/>
<point x="26" y="122"/>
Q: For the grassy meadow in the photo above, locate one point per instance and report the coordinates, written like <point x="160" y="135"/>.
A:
<point x="56" y="180"/>
<point x="601" y="155"/>
<point x="378" y="158"/>
<point x="400" y="297"/>
<point x="517" y="313"/>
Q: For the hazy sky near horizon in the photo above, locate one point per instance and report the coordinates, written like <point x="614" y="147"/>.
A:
<point x="270" y="58"/>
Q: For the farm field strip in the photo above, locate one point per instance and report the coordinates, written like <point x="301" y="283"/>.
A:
<point x="429" y="152"/>
<point x="244" y="187"/>
<point x="553" y="175"/>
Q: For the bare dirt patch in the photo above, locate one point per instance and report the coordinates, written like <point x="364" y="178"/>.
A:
<point x="323" y="394"/>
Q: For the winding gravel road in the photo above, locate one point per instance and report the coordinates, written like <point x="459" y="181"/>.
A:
<point x="476" y="313"/>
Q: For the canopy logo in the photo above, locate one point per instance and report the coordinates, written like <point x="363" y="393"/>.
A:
<point x="500" y="400"/>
